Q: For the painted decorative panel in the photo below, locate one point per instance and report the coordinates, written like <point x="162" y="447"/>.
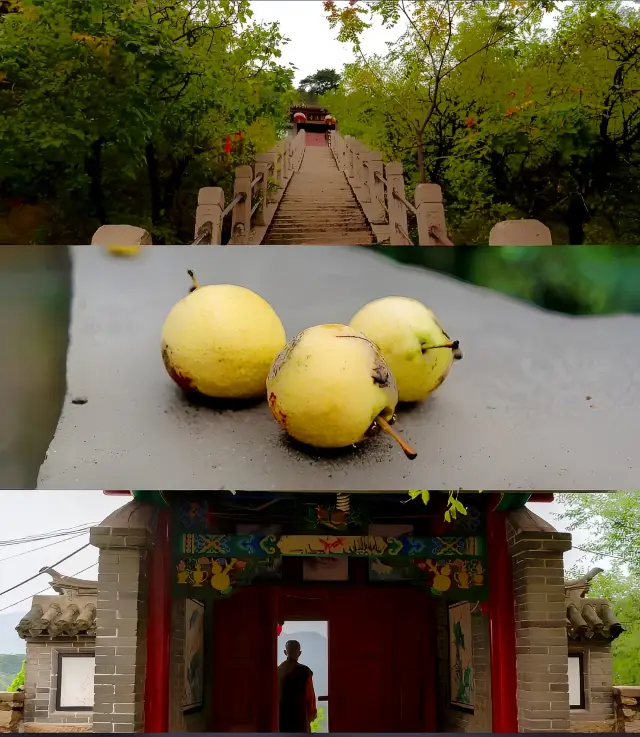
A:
<point x="461" y="656"/>
<point x="193" y="691"/>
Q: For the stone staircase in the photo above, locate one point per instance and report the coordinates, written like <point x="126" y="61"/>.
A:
<point x="319" y="207"/>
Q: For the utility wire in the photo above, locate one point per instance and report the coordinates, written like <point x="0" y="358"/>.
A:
<point x="42" y="591"/>
<point x="42" y="547"/>
<point x="48" y="535"/>
<point x="62" y="560"/>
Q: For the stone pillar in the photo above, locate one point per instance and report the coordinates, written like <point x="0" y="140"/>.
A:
<point x="209" y="210"/>
<point x="241" y="213"/>
<point x="520" y="233"/>
<point x="397" y="211"/>
<point x="265" y="163"/>
<point x="376" y="188"/>
<point x="348" y="157"/>
<point x="432" y="225"/>
<point x="124" y="540"/>
<point x="541" y="622"/>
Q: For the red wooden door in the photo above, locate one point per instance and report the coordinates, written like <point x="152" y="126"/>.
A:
<point x="243" y="662"/>
<point x="381" y="655"/>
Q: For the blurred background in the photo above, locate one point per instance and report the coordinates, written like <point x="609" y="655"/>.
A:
<point x="578" y="280"/>
<point x="35" y="301"/>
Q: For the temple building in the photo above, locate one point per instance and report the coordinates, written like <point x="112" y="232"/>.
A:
<point x="409" y="622"/>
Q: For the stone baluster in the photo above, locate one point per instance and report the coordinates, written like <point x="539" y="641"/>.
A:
<point x="241" y="213"/>
<point x="376" y="187"/>
<point x="348" y="159"/>
<point x="520" y="233"/>
<point x="286" y="160"/>
<point x="264" y="165"/>
<point x="397" y="211"/>
<point x="209" y="210"/>
<point x="358" y="165"/>
<point x="432" y="225"/>
<point x="364" y="155"/>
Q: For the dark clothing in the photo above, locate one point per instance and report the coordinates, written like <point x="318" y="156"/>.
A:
<point x="294" y="684"/>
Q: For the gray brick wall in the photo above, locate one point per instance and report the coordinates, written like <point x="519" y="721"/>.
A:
<point x="597" y="668"/>
<point x="42" y="677"/>
<point x="541" y="634"/>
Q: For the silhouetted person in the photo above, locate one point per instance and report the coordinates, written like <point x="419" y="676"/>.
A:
<point x="296" y="695"/>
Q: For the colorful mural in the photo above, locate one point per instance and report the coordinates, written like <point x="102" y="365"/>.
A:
<point x="273" y="546"/>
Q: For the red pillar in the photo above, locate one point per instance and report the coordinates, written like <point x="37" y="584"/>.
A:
<point x="157" y="685"/>
<point x="504" y="675"/>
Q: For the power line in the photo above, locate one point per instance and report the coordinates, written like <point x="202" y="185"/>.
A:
<point x="42" y="547"/>
<point x="42" y="591"/>
<point x="48" y="535"/>
<point x="44" y="570"/>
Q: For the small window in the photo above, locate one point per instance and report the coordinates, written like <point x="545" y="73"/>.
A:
<point x="576" y="681"/>
<point x="75" y="681"/>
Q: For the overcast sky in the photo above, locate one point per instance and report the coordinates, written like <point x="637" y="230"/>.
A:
<point x="313" y="44"/>
<point x="27" y="513"/>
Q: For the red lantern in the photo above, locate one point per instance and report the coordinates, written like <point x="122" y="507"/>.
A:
<point x="299" y="118"/>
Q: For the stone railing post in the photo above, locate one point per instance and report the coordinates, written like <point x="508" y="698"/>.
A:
<point x="286" y="159"/>
<point x="209" y="210"/>
<point x="241" y="213"/>
<point x="121" y="239"/>
<point x="398" y="224"/>
<point x="376" y="187"/>
<point x="432" y="226"/>
<point x="365" y="159"/>
<point x="348" y="158"/>
<point x="359" y="157"/>
<point x="279" y="174"/>
<point x="264" y="164"/>
<point x="520" y="233"/>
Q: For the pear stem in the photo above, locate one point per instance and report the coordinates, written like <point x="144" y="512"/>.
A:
<point x="193" y="279"/>
<point x="455" y="345"/>
<point x="407" y="449"/>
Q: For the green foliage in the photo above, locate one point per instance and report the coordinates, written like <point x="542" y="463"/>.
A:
<point x="117" y="110"/>
<point x="512" y="120"/>
<point x="316" y="724"/>
<point x="454" y="505"/>
<point x="18" y="681"/>
<point x="614" y="523"/>
<point x="11" y="666"/>
<point x="323" y="81"/>
<point x="613" y="520"/>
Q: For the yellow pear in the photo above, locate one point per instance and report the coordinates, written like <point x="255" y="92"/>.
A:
<point x="331" y="388"/>
<point x="221" y="340"/>
<point x="416" y="348"/>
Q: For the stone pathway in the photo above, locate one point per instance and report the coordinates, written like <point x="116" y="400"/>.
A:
<point x="319" y="207"/>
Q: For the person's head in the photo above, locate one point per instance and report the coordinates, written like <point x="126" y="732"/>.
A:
<point x="292" y="650"/>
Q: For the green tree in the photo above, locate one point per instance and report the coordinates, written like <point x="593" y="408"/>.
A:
<point x="613" y="519"/>
<point x="323" y="81"/>
<point x="511" y="119"/>
<point x="117" y="110"/>
<point x="18" y="681"/>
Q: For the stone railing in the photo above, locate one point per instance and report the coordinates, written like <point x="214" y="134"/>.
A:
<point x="251" y="209"/>
<point x="627" y="709"/>
<point x="11" y="711"/>
<point x="380" y="190"/>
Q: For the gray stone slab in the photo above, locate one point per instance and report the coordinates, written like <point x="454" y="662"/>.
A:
<point x="513" y="415"/>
